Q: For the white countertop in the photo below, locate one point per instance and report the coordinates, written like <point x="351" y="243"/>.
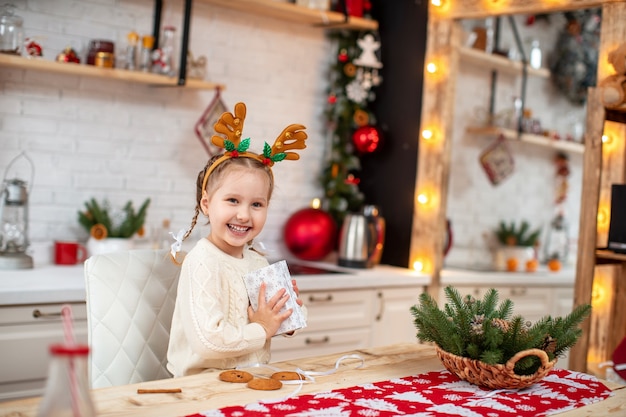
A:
<point x="542" y="277"/>
<point x="61" y="284"/>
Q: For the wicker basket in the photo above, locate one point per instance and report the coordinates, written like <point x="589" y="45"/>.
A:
<point x="497" y="376"/>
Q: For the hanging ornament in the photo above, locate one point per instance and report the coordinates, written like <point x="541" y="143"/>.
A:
<point x="310" y="234"/>
<point x="356" y="92"/>
<point x="368" y="57"/>
<point x="343" y="56"/>
<point x="204" y="127"/>
<point x="361" y="118"/>
<point x="366" y="139"/>
<point x="561" y="162"/>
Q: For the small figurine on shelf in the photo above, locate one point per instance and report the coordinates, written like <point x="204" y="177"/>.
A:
<point x="68" y="55"/>
<point x="33" y="49"/>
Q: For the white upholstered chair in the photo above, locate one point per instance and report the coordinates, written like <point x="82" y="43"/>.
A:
<point x="130" y="302"/>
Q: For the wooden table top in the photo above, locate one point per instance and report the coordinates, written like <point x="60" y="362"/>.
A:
<point x="205" y="391"/>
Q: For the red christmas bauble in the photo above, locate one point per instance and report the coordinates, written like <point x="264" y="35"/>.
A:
<point x="310" y="234"/>
<point x="367" y="139"/>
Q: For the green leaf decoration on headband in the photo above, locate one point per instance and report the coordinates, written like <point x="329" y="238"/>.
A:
<point x="229" y="146"/>
<point x="243" y="145"/>
<point x="278" y="157"/>
<point x="267" y="150"/>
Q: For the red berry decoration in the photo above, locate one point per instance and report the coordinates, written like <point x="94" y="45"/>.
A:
<point x="367" y="139"/>
<point x="310" y="234"/>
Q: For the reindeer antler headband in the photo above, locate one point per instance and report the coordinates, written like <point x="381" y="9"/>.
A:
<point x="292" y="137"/>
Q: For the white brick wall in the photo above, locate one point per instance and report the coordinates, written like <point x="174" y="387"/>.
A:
<point x="91" y="137"/>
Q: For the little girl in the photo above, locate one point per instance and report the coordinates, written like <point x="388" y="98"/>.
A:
<point x="213" y="326"/>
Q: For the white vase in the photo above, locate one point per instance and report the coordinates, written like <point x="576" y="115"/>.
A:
<point x="521" y="253"/>
<point x="108" y="245"/>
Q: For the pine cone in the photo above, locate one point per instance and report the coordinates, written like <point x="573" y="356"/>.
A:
<point x="501" y="324"/>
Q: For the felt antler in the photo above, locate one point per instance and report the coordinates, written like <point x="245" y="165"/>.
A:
<point x="292" y="137"/>
<point x="231" y="126"/>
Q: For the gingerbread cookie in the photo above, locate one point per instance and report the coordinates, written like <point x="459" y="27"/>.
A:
<point x="235" y="375"/>
<point x="265" y="384"/>
<point x="287" y="376"/>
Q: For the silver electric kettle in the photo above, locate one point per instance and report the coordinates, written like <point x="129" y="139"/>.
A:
<point x="361" y="239"/>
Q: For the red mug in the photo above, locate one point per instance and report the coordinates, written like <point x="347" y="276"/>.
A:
<point x="69" y="253"/>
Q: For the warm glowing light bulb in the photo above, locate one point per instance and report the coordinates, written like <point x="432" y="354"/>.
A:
<point x="607" y="139"/>
<point x="418" y="266"/>
<point x="603" y="217"/>
<point x="423" y="198"/>
<point x="427" y="134"/>
<point x="316" y="203"/>
<point x="436" y="3"/>
<point x="431" y="67"/>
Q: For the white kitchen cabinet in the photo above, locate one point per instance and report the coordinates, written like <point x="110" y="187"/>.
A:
<point x="341" y="320"/>
<point x="26" y="332"/>
<point x="393" y="322"/>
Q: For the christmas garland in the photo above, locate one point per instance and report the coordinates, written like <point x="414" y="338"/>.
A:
<point x="351" y="124"/>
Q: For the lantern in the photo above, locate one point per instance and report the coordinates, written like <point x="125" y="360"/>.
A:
<point x="14" y="223"/>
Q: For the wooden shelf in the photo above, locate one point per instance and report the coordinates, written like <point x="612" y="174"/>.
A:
<point x="138" y="77"/>
<point x="296" y="14"/>
<point x="604" y="256"/>
<point x="497" y="62"/>
<point x="511" y="134"/>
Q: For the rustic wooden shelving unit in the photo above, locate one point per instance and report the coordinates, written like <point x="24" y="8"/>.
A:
<point x="39" y="64"/>
<point x="498" y="62"/>
<point x="296" y="14"/>
<point x="539" y="140"/>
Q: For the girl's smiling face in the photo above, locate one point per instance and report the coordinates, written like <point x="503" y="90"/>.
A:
<point x="237" y="209"/>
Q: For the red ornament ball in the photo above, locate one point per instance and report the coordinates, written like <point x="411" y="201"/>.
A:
<point x="310" y="234"/>
<point x="367" y="139"/>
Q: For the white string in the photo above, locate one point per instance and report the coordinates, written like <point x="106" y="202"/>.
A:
<point x="308" y="376"/>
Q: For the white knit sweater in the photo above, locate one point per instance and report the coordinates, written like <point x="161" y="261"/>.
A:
<point x="210" y="327"/>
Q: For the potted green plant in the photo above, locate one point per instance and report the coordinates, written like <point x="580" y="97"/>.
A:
<point x="111" y="229"/>
<point x="482" y="342"/>
<point x="517" y="243"/>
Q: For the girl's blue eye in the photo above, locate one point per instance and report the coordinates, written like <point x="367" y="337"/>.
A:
<point x="257" y="204"/>
<point x="232" y="200"/>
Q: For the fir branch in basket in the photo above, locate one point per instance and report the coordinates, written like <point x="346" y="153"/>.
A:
<point x="485" y="330"/>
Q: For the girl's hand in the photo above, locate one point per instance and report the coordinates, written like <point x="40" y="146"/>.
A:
<point x="268" y="314"/>
<point x="297" y="291"/>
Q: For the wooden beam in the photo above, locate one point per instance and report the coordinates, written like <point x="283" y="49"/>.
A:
<point x="433" y="167"/>
<point x="587" y="231"/>
<point x="464" y="9"/>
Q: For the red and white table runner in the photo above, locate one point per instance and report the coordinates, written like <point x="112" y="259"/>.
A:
<point x="433" y="394"/>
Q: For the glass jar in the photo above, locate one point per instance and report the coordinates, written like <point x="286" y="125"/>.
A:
<point x="11" y="31"/>
<point x="67" y="389"/>
<point x="164" y="57"/>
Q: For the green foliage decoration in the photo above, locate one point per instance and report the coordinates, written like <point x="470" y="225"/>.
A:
<point x="340" y="175"/>
<point x="486" y="330"/>
<point x="510" y="234"/>
<point x="122" y="223"/>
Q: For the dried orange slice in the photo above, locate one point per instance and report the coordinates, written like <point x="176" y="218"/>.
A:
<point x="99" y="231"/>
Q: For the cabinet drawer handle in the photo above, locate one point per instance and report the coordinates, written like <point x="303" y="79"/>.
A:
<point x="381" y="306"/>
<point x="310" y="341"/>
<point x="314" y="299"/>
<point x="37" y="314"/>
<point x="518" y="291"/>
